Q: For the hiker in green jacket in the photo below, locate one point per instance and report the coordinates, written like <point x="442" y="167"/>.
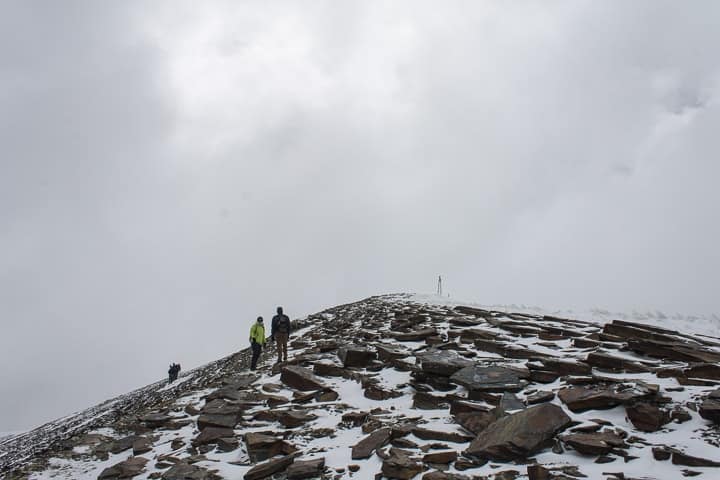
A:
<point x="257" y="340"/>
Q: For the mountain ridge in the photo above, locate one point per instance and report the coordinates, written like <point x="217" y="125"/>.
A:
<point x="394" y="364"/>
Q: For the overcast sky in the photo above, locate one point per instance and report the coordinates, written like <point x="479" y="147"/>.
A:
<point x="171" y="170"/>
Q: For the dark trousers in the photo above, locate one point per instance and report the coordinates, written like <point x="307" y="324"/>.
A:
<point x="256" y="349"/>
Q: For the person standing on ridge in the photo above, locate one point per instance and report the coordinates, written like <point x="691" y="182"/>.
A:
<point x="257" y="340"/>
<point x="280" y="333"/>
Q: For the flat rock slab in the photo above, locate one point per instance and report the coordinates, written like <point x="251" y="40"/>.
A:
<point x="269" y="468"/>
<point x="261" y="446"/>
<point x="488" y="379"/>
<point x="427" y="434"/>
<point x="647" y="417"/>
<point x="710" y="408"/>
<point x="597" y="443"/>
<point x="212" y="434"/>
<point x="475" y="422"/>
<point x="592" y="397"/>
<point x="306" y="469"/>
<point x="443" y="362"/>
<point x="127" y="469"/>
<point x="365" y="447"/>
<point x="301" y="378"/>
<point x="520" y="434"/>
<point x="679" y="458"/>
<point x="540" y="397"/>
<point x="356" y="356"/>
<point x="185" y="471"/>
<point x="222" y="421"/>
<point x="401" y="466"/>
<point x="416" y="336"/>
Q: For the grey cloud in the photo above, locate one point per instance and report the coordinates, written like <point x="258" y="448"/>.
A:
<point x="169" y="170"/>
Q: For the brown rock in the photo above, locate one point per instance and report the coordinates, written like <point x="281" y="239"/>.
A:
<point x="679" y="458"/>
<point x="185" y="471"/>
<point x="428" y="401"/>
<point x="442" y="362"/>
<point x="212" y="434"/>
<point x="647" y="417"/>
<point x="597" y="443"/>
<point x="365" y="447"/>
<point x="306" y="469"/>
<point x="538" y="472"/>
<point x="142" y="445"/>
<point x="520" y="434"/>
<point x="401" y="466"/>
<point x="581" y="398"/>
<point x="710" y="408"/>
<point x="475" y="422"/>
<point x="540" y="397"/>
<point x="271" y="467"/>
<point x="126" y="469"/>
<point x="261" y="446"/>
<point x="488" y="379"/>
<point x="300" y="378"/>
<point x="440" y="457"/>
<point x="356" y="356"/>
<point x="427" y="434"/>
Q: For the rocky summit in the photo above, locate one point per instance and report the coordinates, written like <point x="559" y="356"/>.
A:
<point x="401" y="386"/>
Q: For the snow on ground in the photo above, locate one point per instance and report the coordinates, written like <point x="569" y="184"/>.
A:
<point x="697" y="324"/>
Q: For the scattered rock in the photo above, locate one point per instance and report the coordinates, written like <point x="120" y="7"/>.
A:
<point x="126" y="469"/>
<point x="488" y="379"/>
<point x="520" y="434"/>
<point x="540" y="397"/>
<point x="647" y="417"/>
<point x="211" y="435"/>
<point x="441" y="457"/>
<point x="261" y="446"/>
<point x="300" y="378"/>
<point x="597" y="443"/>
<point x="679" y="458"/>
<point x="427" y="434"/>
<point x="306" y="469"/>
<point x="271" y="467"/>
<point x="356" y="356"/>
<point x="401" y="466"/>
<point x="581" y="398"/>
<point x="142" y="445"/>
<point x="365" y="447"/>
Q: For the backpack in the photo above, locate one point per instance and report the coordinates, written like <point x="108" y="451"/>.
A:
<point x="283" y="324"/>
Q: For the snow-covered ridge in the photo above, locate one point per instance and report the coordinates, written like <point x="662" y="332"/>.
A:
<point x="405" y="386"/>
<point x="698" y="324"/>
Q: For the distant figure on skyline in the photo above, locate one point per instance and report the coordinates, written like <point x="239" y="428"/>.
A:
<point x="280" y="333"/>
<point x="173" y="372"/>
<point x="257" y="341"/>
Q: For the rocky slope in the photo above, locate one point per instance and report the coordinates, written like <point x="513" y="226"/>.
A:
<point x="392" y="387"/>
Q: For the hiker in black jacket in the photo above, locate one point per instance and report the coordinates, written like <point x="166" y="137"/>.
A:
<point x="280" y="333"/>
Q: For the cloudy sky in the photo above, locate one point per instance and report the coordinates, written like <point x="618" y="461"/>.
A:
<point x="170" y="170"/>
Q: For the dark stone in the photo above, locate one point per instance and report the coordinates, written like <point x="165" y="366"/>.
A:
<point x="300" y="378"/>
<point x="269" y="468"/>
<point x="306" y="469"/>
<point x="520" y="434"/>
<point x="475" y="422"/>
<point x="356" y="356"/>
<point x="365" y="447"/>
<point x="615" y="364"/>
<point x="679" y="458"/>
<point x="597" y="443"/>
<point x="443" y="363"/>
<point x="126" y="469"/>
<point x="564" y="367"/>
<point x="540" y="397"/>
<point x="211" y="435"/>
<point x="441" y="457"/>
<point x="356" y="418"/>
<point x="401" y="466"/>
<point x="428" y="401"/>
<point x="142" y="445"/>
<point x="581" y="398"/>
<point x="647" y="417"/>
<point x="427" y="434"/>
<point x="488" y="379"/>
<point x="538" y="472"/>
<point x="416" y="336"/>
<point x="661" y="453"/>
<point x="710" y="408"/>
<point x="221" y="421"/>
<point x="261" y="446"/>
